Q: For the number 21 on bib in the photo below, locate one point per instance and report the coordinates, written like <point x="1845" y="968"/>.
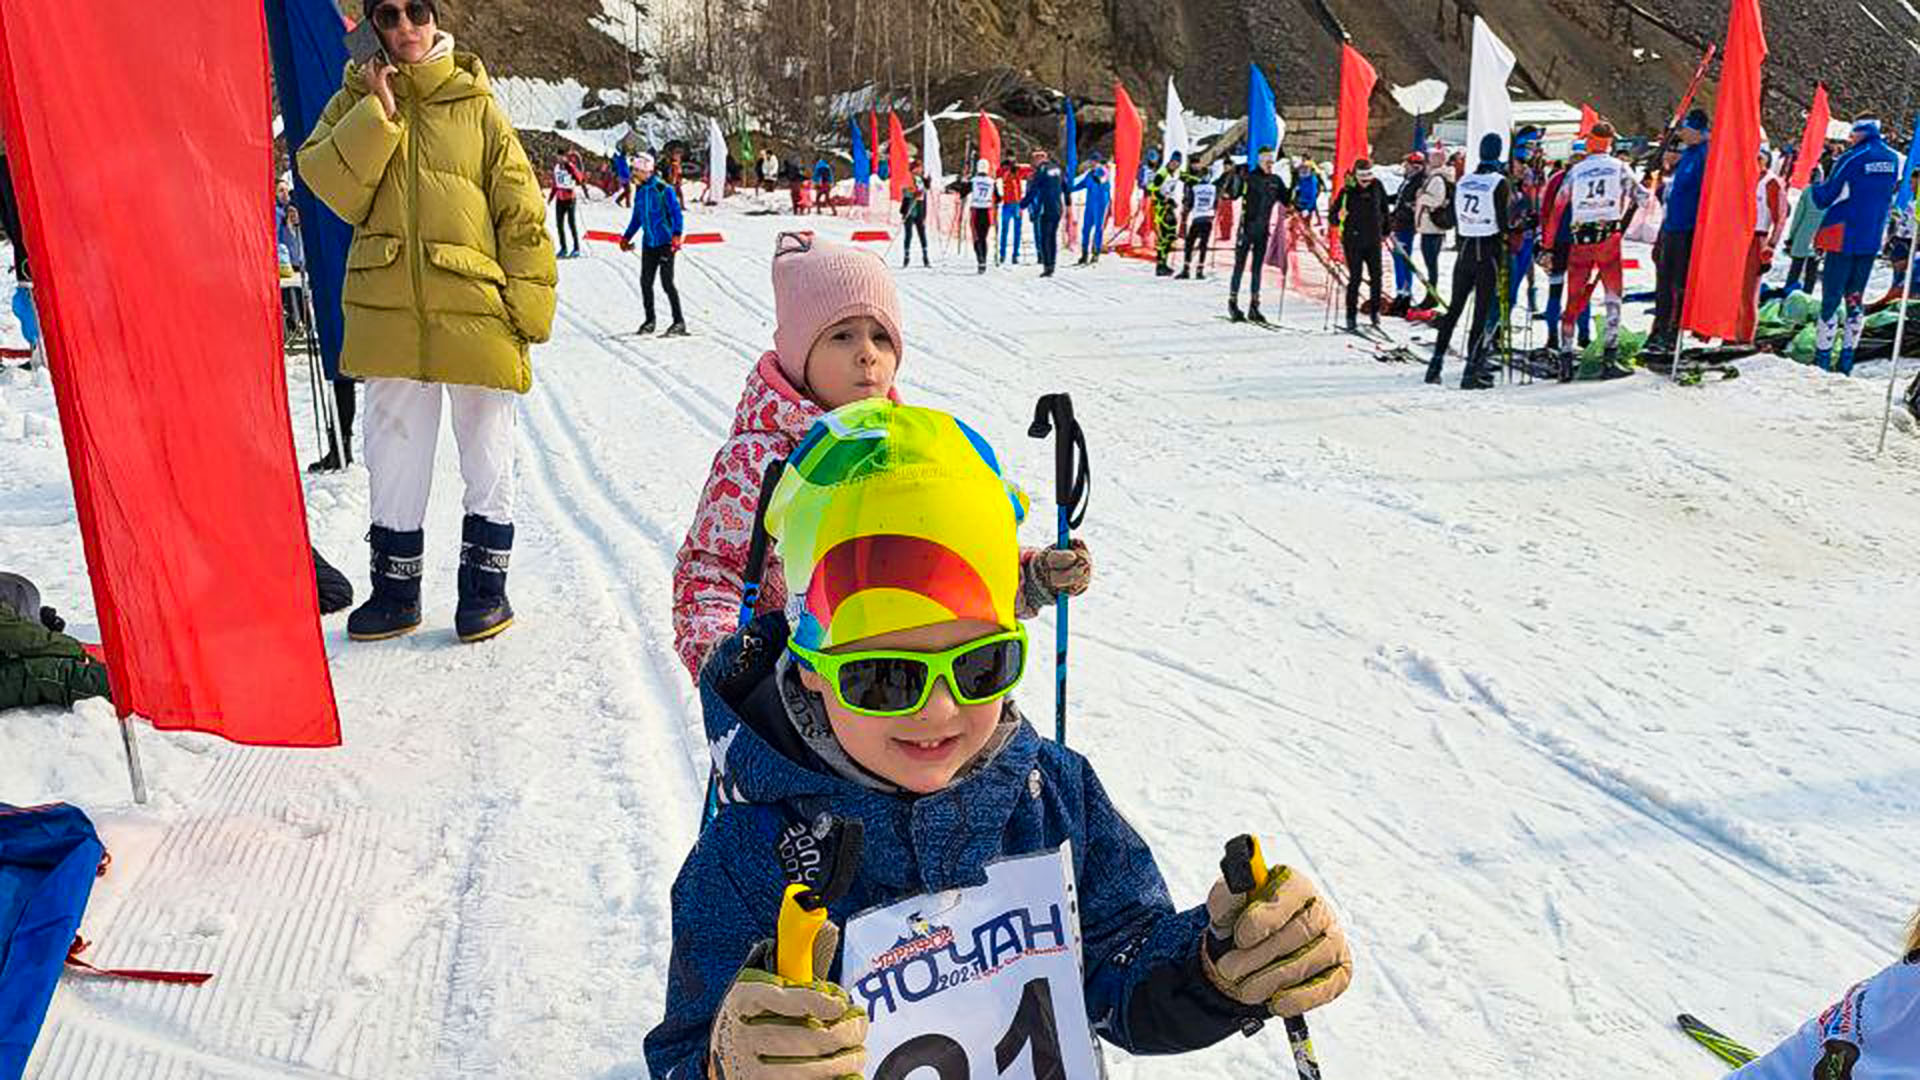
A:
<point x="978" y="983"/>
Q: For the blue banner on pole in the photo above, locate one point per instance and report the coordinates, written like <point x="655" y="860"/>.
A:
<point x="1263" y="120"/>
<point x="308" y="40"/>
<point x="1072" y="152"/>
<point x="862" y="163"/>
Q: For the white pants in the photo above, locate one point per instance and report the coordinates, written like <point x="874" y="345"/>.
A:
<point x="401" y="430"/>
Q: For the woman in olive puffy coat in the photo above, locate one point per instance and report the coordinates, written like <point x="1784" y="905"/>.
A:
<point x="449" y="279"/>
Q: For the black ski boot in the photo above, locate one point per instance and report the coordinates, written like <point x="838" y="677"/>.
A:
<point x="1610" y="365"/>
<point x="1478" y="376"/>
<point x="645" y="327"/>
<point x="983" y="266"/>
<point x="394" y="607"/>
<point x="1375" y="317"/>
<point x="1233" y="310"/>
<point x="331" y="462"/>
<point x="678" y="329"/>
<point x="1569" y="366"/>
<point x="1185" y="273"/>
<point x="1200" y="274"/>
<point x="906" y="260"/>
<point x="1398" y="309"/>
<point x="1353" y="325"/>
<point x="925" y="263"/>
<point x="1162" y="270"/>
<point x="1435" y="365"/>
<point x="1083" y="259"/>
<point x="484" y="549"/>
<point x="1253" y="312"/>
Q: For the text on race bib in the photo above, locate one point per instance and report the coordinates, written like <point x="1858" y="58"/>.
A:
<point x="977" y="983"/>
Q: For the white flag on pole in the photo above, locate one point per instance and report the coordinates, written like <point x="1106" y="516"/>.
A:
<point x="1489" y="108"/>
<point x="930" y="153"/>
<point x="716" y="161"/>
<point x="1175" y="130"/>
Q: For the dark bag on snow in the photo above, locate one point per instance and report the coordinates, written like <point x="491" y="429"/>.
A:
<point x="336" y="592"/>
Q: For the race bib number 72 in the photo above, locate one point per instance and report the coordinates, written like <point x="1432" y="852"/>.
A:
<point x="978" y="983"/>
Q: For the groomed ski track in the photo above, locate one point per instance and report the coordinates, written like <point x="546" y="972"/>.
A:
<point x="1587" y="704"/>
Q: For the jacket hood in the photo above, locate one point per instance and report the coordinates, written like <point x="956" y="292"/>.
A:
<point x="769" y="405"/>
<point x="759" y="760"/>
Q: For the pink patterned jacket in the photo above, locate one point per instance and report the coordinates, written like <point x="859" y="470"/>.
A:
<point x="709" y="572"/>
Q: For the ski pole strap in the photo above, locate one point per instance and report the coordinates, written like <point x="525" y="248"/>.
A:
<point x="1072" y="475"/>
<point x="756" y="568"/>
<point x="186" y="978"/>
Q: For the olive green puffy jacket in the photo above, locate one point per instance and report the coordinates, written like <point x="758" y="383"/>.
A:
<point x="450" y="274"/>
<point x="40" y="667"/>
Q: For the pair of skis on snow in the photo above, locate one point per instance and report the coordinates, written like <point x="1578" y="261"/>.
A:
<point x="1715" y="1043"/>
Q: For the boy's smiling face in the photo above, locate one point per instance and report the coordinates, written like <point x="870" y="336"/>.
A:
<point x="921" y="752"/>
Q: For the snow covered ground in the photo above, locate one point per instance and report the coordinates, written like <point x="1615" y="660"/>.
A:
<point x="1588" y="704"/>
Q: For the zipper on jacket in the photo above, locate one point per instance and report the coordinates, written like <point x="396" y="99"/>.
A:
<point x="416" y="257"/>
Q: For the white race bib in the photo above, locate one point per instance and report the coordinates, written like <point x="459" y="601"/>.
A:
<point x="1204" y="196"/>
<point x="1597" y="191"/>
<point x="982" y="196"/>
<point x="977" y="984"/>
<point x="1473" y="205"/>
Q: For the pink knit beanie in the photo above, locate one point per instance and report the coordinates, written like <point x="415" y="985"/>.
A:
<point x="816" y="283"/>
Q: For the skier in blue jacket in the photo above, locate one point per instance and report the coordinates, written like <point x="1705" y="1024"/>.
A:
<point x="1046" y="200"/>
<point x="657" y="220"/>
<point x="1093" y="223"/>
<point x="854" y="714"/>
<point x="1856" y="196"/>
<point x="1675" y="254"/>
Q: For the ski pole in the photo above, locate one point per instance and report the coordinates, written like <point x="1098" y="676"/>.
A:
<point x="1245" y="871"/>
<point x="750" y="583"/>
<point x="1053" y="415"/>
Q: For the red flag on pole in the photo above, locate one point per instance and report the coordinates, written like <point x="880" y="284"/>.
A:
<point x="1126" y="153"/>
<point x="1815" y="137"/>
<point x="1588" y="118"/>
<point x="897" y="165"/>
<point x="1723" y="236"/>
<point x="162" y="322"/>
<point x="989" y="143"/>
<point x="1350" y="138"/>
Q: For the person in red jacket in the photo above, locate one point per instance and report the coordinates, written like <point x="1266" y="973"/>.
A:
<point x="1012" y="192"/>
<point x="836" y="340"/>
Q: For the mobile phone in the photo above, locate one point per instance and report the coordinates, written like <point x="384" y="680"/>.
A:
<point x="363" y="42"/>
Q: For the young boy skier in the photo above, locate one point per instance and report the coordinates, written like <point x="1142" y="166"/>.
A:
<point x="885" y="702"/>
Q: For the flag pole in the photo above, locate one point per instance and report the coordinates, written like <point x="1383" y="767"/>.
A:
<point x="1899" y="334"/>
<point x="136" y="776"/>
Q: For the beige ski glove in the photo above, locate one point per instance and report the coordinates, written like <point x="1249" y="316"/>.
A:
<point x="1286" y="946"/>
<point x="1049" y="573"/>
<point x="772" y="1029"/>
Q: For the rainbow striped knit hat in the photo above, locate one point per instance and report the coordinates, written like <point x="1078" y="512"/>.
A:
<point x="891" y="517"/>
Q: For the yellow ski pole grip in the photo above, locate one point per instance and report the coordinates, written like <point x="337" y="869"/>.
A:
<point x="802" y="913"/>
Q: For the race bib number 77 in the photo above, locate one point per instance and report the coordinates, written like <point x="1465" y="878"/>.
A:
<point x="978" y="983"/>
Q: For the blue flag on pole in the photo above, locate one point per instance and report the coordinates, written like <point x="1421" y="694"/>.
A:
<point x="308" y="42"/>
<point x="1903" y="199"/>
<point x="1072" y="154"/>
<point x="1263" y="121"/>
<point x="1419" y="134"/>
<point x="862" y="164"/>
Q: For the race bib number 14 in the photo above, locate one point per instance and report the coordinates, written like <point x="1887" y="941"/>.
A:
<point x="979" y="983"/>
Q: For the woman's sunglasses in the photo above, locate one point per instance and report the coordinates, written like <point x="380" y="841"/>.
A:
<point x="897" y="682"/>
<point x="418" y="12"/>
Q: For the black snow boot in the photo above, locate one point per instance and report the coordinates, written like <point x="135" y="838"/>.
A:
<point x="394" y="607"/>
<point x="484" y="549"/>
<point x="678" y="329"/>
<point x="1233" y="310"/>
<point x="645" y="327"/>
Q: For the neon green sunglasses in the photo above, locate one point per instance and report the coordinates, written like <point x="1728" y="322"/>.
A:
<point x="896" y="682"/>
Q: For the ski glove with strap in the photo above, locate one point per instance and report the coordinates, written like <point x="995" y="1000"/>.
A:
<point x="771" y="1029"/>
<point x="1047" y="573"/>
<point x="1289" y="950"/>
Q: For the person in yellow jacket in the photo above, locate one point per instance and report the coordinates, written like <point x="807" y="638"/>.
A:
<point x="449" y="279"/>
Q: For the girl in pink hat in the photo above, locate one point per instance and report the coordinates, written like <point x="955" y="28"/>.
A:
<point x="836" y="341"/>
